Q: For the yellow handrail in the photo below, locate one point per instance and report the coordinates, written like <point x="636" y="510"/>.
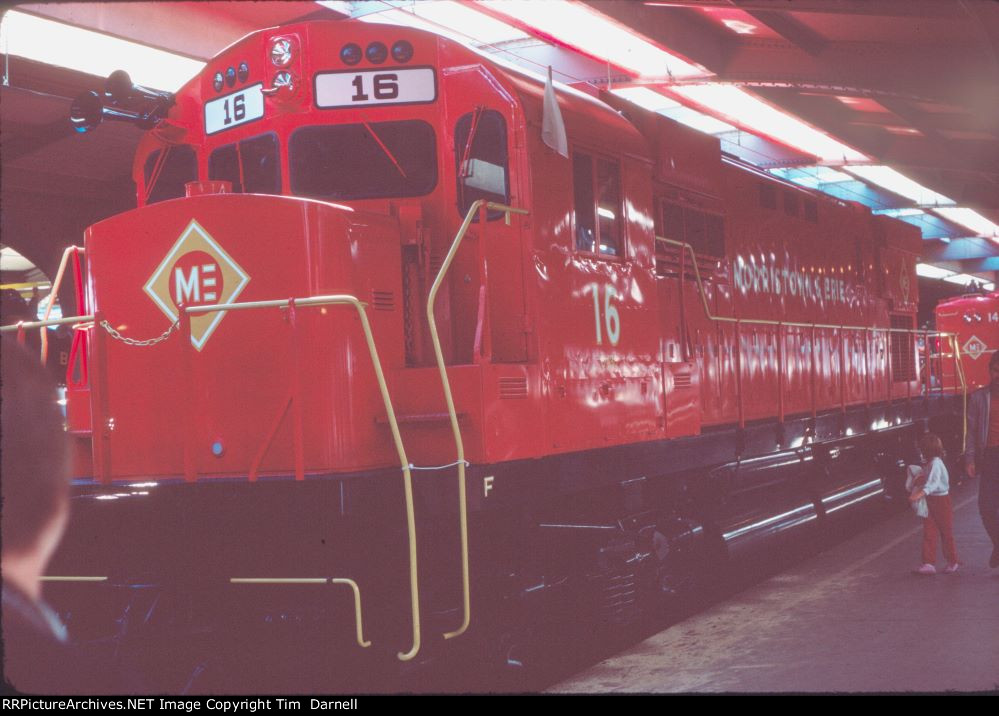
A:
<point x="344" y="299"/>
<point x="452" y="413"/>
<point x="53" y="292"/>
<point x="42" y="324"/>
<point x="358" y="622"/>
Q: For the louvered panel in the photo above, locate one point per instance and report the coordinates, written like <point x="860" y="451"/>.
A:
<point x="513" y="388"/>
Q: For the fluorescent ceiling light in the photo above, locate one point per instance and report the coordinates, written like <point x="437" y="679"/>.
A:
<point x="971" y="219"/>
<point x="451" y="19"/>
<point x="754" y="114"/>
<point x="699" y="121"/>
<point x="646" y="98"/>
<point x="341" y="6"/>
<point x="656" y="102"/>
<point x="95" y="53"/>
<point x="963" y="279"/>
<point x="483" y="28"/>
<point x="596" y="35"/>
<point x="930" y="271"/>
<point x="898" y="213"/>
<point x="812" y="177"/>
<point x="893" y="181"/>
<point x="11" y="260"/>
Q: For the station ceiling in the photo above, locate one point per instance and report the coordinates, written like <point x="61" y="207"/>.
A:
<point x="909" y="84"/>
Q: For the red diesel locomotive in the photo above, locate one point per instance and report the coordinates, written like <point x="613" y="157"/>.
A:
<point x="974" y="321"/>
<point x="638" y="361"/>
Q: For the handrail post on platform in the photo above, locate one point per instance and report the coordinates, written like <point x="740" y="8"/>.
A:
<point x="477" y="206"/>
<point x="187" y="368"/>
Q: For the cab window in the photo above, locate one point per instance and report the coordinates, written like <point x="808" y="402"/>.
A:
<point x="370" y="160"/>
<point x="597" y="198"/>
<point x="481" y="161"/>
<point x="251" y="165"/>
<point x="166" y="171"/>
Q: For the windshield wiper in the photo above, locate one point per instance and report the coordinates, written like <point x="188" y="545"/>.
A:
<point x="388" y="152"/>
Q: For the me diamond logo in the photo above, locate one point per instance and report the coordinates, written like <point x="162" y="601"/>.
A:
<point x="974" y="347"/>
<point x="196" y="272"/>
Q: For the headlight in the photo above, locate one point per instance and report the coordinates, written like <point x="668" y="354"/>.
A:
<point x="281" y="52"/>
<point x="284" y="79"/>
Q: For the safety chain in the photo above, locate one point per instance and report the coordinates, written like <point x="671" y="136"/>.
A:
<point x="135" y="342"/>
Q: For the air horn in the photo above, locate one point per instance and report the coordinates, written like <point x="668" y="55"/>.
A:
<point x="122" y="101"/>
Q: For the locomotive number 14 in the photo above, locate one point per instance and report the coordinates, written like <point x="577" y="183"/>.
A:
<point x="612" y="319"/>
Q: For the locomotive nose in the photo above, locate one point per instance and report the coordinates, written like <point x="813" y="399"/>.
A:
<point x="219" y="248"/>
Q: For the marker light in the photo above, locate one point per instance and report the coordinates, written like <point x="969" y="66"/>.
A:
<point x="402" y="51"/>
<point x="281" y="52"/>
<point x="243" y="72"/>
<point x="230" y="77"/>
<point x="351" y="54"/>
<point x="218" y="81"/>
<point x="376" y="53"/>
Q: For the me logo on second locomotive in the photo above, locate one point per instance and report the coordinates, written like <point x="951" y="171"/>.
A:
<point x="196" y="272"/>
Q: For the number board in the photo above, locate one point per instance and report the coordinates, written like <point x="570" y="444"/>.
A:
<point x="234" y="109"/>
<point x="412" y="85"/>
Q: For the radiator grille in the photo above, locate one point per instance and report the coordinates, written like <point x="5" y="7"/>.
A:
<point x="903" y="350"/>
<point x="682" y="380"/>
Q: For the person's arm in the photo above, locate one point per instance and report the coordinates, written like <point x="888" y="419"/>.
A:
<point x="936" y="478"/>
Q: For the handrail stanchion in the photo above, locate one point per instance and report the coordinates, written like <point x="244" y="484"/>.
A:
<point x="738" y="373"/>
<point x="815" y="395"/>
<point x="890" y="373"/>
<point x="867" y="368"/>
<point x="842" y="370"/>
<point x="780" y="374"/>
<point x="296" y="389"/>
<point x="476" y="206"/>
<point x="187" y="366"/>
<point x="99" y="408"/>
<point x="53" y="293"/>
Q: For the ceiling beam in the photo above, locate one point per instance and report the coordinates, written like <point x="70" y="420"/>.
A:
<point x="963" y="249"/>
<point x="691" y="36"/>
<point x="795" y="32"/>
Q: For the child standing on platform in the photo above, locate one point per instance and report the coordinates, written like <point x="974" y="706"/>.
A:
<point x="935" y="487"/>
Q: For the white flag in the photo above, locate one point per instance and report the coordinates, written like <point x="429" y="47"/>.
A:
<point x="552" y="126"/>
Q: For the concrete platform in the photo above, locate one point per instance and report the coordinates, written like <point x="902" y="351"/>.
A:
<point x="853" y="618"/>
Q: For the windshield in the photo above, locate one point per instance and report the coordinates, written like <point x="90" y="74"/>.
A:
<point x="363" y="161"/>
